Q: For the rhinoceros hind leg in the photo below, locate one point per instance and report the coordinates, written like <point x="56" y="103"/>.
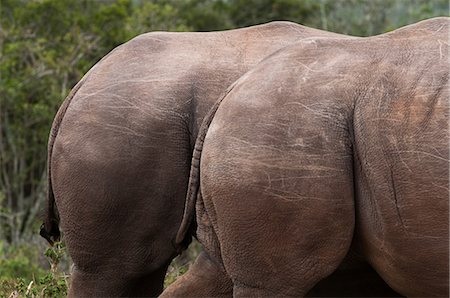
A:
<point x="104" y="284"/>
<point x="205" y="278"/>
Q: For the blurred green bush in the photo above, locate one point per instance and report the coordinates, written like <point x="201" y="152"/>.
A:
<point x="23" y="272"/>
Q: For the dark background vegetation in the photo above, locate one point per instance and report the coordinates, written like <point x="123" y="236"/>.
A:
<point x="47" y="46"/>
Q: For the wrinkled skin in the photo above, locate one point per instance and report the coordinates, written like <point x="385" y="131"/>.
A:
<point x="121" y="144"/>
<point x="326" y="142"/>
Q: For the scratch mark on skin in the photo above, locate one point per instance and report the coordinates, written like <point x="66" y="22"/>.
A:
<point x="405" y="164"/>
<point x="418" y="235"/>
<point x="251" y="145"/>
<point x="295" y="197"/>
<point x="425" y="153"/>
<point x="156" y="39"/>
<point x="306" y="177"/>
<point x="269" y="180"/>
<point x="433" y="148"/>
<point x="440" y="49"/>
<point x="400" y="156"/>
<point x="145" y="80"/>
<point x="385" y="119"/>
<point x="125" y="82"/>
<point x="394" y="192"/>
<point x="309" y="109"/>
<point x="131" y="106"/>
<point x="273" y="164"/>
<point x="124" y="130"/>
<point x="307" y="67"/>
<point x="443" y="42"/>
<point x="440" y="186"/>
<point x="310" y="40"/>
<point x="439" y="29"/>
<point x="258" y="31"/>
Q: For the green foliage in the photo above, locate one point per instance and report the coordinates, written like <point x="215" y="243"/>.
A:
<point x="17" y="261"/>
<point x="206" y="15"/>
<point x="180" y="264"/>
<point x="371" y="17"/>
<point x="245" y="13"/>
<point x="48" y="285"/>
<point x="157" y="16"/>
<point x="53" y="285"/>
<point x="173" y="273"/>
<point x="22" y="273"/>
<point x="55" y="254"/>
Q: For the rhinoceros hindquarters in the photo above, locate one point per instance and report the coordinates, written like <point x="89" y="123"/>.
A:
<point x="277" y="184"/>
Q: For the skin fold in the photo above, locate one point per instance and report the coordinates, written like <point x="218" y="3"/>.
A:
<point x="327" y="145"/>
<point x="121" y="145"/>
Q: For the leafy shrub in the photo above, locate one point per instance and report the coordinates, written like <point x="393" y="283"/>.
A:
<point x="18" y="261"/>
<point x="181" y="264"/>
<point x="22" y="275"/>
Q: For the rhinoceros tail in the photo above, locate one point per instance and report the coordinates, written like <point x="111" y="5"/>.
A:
<point x="183" y="237"/>
<point x="50" y="227"/>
